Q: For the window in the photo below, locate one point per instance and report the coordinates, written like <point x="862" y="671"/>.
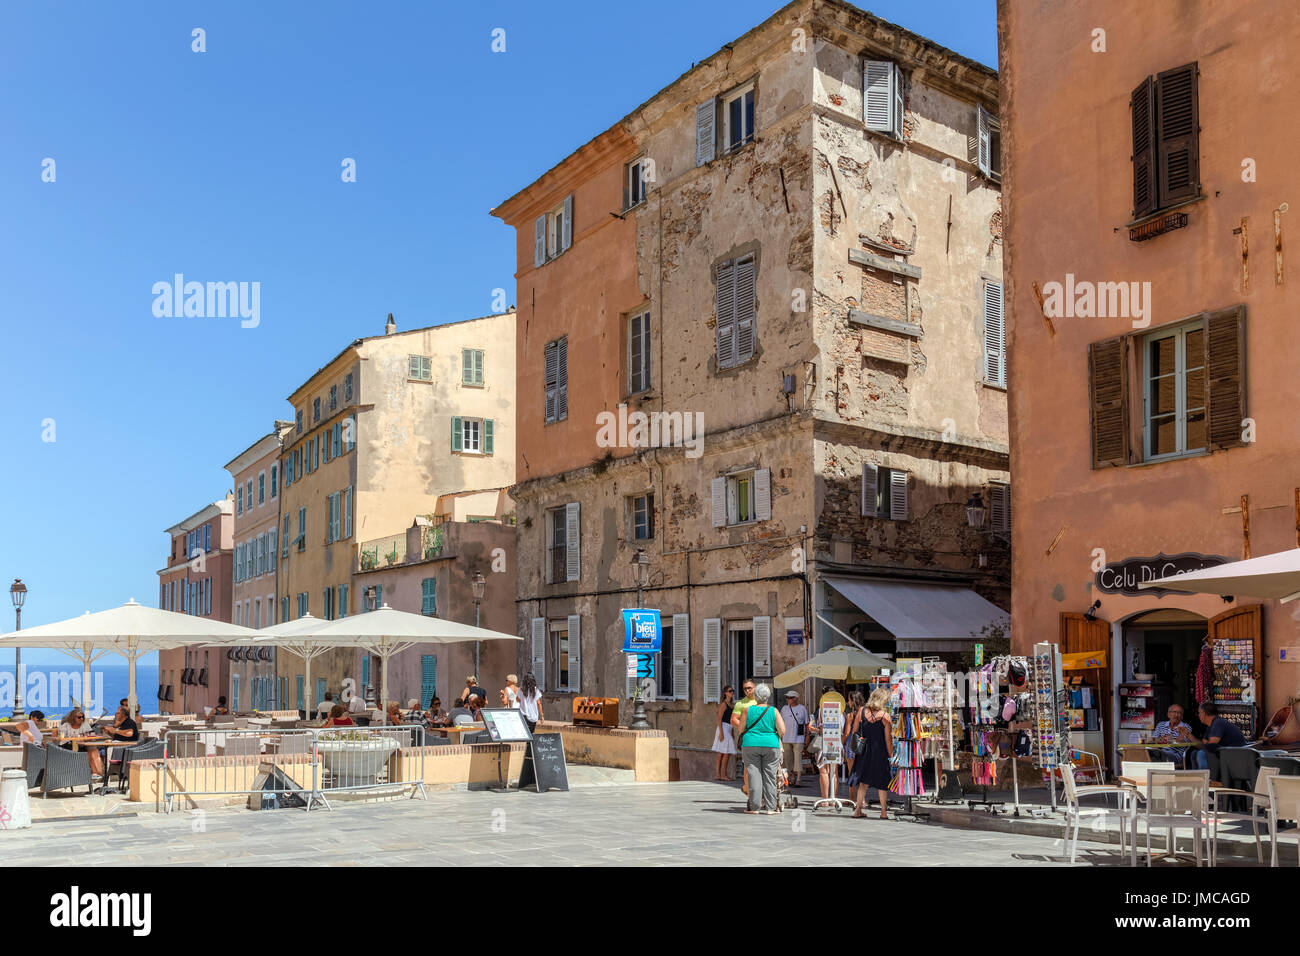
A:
<point x="564" y="664"/>
<point x="328" y="605"/>
<point x="471" y="432"/>
<point x="421" y="368"/>
<point x="347" y="512"/>
<point x="315" y="410"/>
<point x="738" y="118"/>
<point x="347" y="387"/>
<point x="303" y="604"/>
<point x="270" y="550"/>
<point x="742" y="497"/>
<point x="643" y="517"/>
<point x="334" y="397"/>
<point x="564" y="543"/>
<point x="239" y="509"/>
<point x="343" y="600"/>
<point x="884" y="492"/>
<point x="275" y="481"/>
<point x="302" y="529"/>
<point x="989" y="131"/>
<point x="638" y="352"/>
<point x="995" y="336"/>
<point x="297" y="420"/>
<point x="664" y="688"/>
<point x="261" y="488"/>
<point x="741" y="658"/>
<point x="326" y="445"/>
<point x="429" y="597"/>
<point x="1174" y="392"/>
<point x="284" y="539"/>
<point x="636" y="183"/>
<point x="556" y="545"/>
<point x="284" y="612"/>
<point x="1000" y="506"/>
<point x="882" y="97"/>
<point x="334" y="531"/>
<point x="234" y="693"/>
<point x="734" y="301"/>
<point x="557" y="380"/>
<point x="337" y="439"/>
<point x="471" y="367"/>
<point x="1166" y="140"/>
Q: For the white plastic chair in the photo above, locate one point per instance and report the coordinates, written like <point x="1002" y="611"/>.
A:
<point x="1176" y="800"/>
<point x="1074" y="812"/>
<point x="1284" y="802"/>
<point x="1259" y="801"/>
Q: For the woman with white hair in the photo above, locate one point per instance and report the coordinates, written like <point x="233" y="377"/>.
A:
<point x="760" y="749"/>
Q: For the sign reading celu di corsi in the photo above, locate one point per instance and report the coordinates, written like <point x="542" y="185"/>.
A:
<point x="1123" y="577"/>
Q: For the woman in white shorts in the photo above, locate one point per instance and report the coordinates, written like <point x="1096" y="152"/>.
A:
<point x="724" y="744"/>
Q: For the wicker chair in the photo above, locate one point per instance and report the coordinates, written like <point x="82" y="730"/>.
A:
<point x="153" y="750"/>
<point x="65" y="769"/>
<point x="242" y="744"/>
<point x="33" y="763"/>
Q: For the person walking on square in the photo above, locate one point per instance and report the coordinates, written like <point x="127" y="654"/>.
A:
<point x="871" y="768"/>
<point x="724" y="744"/>
<point x="795" y="717"/>
<point x="760" y="748"/>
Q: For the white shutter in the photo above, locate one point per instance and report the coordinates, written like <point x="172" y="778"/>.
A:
<point x="982" y="122"/>
<point x="705" y="115"/>
<point x="763" y="494"/>
<point x="681" y="663"/>
<point x="745" y="292"/>
<point x="896" y="82"/>
<point x="575" y="653"/>
<point x="995" y="336"/>
<point x="1000" y="507"/>
<point x="898" y="495"/>
<point x="572" y="543"/>
<point x="869" y="484"/>
<point x="762" y="646"/>
<point x="566" y="231"/>
<point x="712" y="660"/>
<point x="878" y="95"/>
<point x="562" y="379"/>
<point x="552" y="378"/>
<point x="725" y="299"/>
<point x="718" y="489"/>
<point x="539" y="241"/>
<point x="539" y="651"/>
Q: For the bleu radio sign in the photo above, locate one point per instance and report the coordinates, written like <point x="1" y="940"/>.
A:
<point x="642" y="633"/>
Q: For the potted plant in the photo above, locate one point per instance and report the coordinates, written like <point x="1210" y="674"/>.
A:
<point x="354" y="758"/>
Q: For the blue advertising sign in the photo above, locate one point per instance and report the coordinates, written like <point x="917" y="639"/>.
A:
<point x="642" y="633"/>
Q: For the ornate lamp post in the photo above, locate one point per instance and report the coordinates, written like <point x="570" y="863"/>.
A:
<point x="478" y="585"/>
<point x="18" y="594"/>
<point x="975" y="511"/>
<point x="641" y="568"/>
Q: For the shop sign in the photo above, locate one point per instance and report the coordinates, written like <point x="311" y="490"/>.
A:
<point x="1123" y="577"/>
<point x="641" y="631"/>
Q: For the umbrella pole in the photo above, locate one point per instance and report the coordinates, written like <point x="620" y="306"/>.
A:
<point x="130" y="679"/>
<point x="383" y="683"/>
<point x="306" y="679"/>
<point x="85" y="670"/>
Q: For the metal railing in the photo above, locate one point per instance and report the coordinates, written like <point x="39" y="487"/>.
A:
<point x="382" y="552"/>
<point x="291" y="766"/>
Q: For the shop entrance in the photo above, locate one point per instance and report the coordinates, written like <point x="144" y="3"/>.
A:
<point x="740" y="654"/>
<point x="1160" y="653"/>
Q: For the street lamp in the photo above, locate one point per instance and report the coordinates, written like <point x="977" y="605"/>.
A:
<point x="640" y="568"/>
<point x="18" y="594"/>
<point x="975" y="511"/>
<point x="478" y="585"/>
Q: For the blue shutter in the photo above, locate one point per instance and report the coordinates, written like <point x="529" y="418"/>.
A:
<point x="365" y="671"/>
<point x="428" y="679"/>
<point x="301" y="704"/>
<point x="343" y="600"/>
<point x="429" y="597"/>
<point x="320" y="689"/>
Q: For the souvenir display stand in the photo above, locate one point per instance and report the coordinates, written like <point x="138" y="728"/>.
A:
<point x="986" y="733"/>
<point x="921" y="711"/>
<point x="831" y="718"/>
<point x="1049" y="713"/>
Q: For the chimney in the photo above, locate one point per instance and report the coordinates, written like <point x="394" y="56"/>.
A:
<point x="390" y="326"/>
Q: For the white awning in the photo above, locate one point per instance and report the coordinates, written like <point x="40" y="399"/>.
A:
<point x="1268" y="576"/>
<point x="916" y="612"/>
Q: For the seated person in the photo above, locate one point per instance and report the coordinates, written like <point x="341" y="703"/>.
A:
<point x="393" y="715"/>
<point x="30" y="729"/>
<point x="221" y="710"/>
<point x="1173" y="730"/>
<point x="475" y="707"/>
<point x="1219" y="733"/>
<point x="435" y="716"/>
<point x="460" y="714"/>
<point x="74" y="725"/>
<point x="325" y="706"/>
<point x="338" y="718"/>
<point x="123" y="727"/>
<point x="357" y="704"/>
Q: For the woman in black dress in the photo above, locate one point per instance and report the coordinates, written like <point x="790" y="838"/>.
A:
<point x="871" y="768"/>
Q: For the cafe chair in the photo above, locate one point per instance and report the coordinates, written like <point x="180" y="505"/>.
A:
<point x="1135" y="771"/>
<point x="153" y="750"/>
<point x="33" y="763"/>
<point x="1259" y="804"/>
<point x="241" y="745"/>
<point x="1124" y="812"/>
<point x="1239" y="767"/>
<point x="65" y="769"/>
<point x="295" y="744"/>
<point x="1284" y="803"/>
<point x="1178" y="800"/>
<point x="1286" y="766"/>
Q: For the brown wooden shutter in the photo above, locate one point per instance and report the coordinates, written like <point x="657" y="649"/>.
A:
<point x="1108" y="395"/>
<point x="1143" y="102"/>
<point x="1179" y="150"/>
<point x="1225" y="373"/>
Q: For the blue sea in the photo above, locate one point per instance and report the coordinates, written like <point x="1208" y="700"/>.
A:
<point x="50" y="687"/>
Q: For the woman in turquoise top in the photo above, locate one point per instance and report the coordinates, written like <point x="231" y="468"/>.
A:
<point x="760" y="749"/>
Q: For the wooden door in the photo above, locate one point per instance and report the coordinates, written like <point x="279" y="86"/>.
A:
<point x="1079" y="634"/>
<point x="1245" y="624"/>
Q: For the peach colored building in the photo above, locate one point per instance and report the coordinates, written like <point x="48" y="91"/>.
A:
<point x="197" y="580"/>
<point x="1152" y="341"/>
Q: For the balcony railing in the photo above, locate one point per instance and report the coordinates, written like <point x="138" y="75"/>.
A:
<point x="382" y="552"/>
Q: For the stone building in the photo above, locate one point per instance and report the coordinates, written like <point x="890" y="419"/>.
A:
<point x="381" y="433"/>
<point x="760" y="341"/>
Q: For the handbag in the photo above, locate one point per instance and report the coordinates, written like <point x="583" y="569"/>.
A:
<point x="800" y="726"/>
<point x="858" y="741"/>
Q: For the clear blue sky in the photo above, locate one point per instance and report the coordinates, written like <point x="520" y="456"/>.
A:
<point x="225" y="166"/>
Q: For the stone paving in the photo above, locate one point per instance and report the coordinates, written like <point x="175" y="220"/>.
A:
<point x="678" y="824"/>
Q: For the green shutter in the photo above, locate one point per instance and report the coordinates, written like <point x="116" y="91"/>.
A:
<point x="455" y="433"/>
<point x="487" y="436"/>
<point x="429" y="597"/>
<point x="428" y="679"/>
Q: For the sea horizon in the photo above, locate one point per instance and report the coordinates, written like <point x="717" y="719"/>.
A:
<point x="52" y="688"/>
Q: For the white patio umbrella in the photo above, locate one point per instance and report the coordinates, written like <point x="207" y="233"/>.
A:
<point x="131" y="630"/>
<point x="297" y="637"/>
<point x="387" y="631"/>
<point x="1268" y="576"/>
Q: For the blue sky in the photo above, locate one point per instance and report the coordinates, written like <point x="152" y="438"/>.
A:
<point x="225" y="166"/>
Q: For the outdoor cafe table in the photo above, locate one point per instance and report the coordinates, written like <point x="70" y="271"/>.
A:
<point x="1151" y="745"/>
<point x="96" y="742"/>
<point x="461" y="729"/>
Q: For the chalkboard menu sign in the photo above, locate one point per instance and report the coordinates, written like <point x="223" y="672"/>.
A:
<point x="544" y="764"/>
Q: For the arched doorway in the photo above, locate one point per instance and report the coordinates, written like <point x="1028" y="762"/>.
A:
<point x="1160" y="648"/>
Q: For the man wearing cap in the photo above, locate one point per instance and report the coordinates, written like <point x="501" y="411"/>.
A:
<point x="795" y="717"/>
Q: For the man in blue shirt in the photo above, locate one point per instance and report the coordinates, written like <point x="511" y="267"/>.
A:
<point x="1220" y="733"/>
<point x="1171" y="731"/>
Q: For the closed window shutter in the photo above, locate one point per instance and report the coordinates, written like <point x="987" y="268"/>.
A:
<point x="566" y="230"/>
<point x="725" y="298"/>
<point x="1225" y="370"/>
<point x="347" y="513"/>
<point x="745" y="293"/>
<point x="712" y="660"/>
<point x="705" y="137"/>
<point x="984" y="132"/>
<point x="539" y="241"/>
<point x="1108" y="398"/>
<point x="869" y="485"/>
<point x="572" y="543"/>
<point x="487" y="435"/>
<point x="762" y="646"/>
<point x="718" y="490"/>
<point x="878" y="96"/>
<point x="995" y="336"/>
<point x="1143" y="104"/>
<point x="352" y="433"/>
<point x="681" y="662"/>
<point x="575" y="653"/>
<point x="1000" y="507"/>
<point x="456" y="433"/>
<point x="552" y="379"/>
<point x="562" y="379"/>
<point x="898" y="495"/>
<point x="539" y="651"/>
<point x="1176" y="113"/>
<point x="763" y="494"/>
